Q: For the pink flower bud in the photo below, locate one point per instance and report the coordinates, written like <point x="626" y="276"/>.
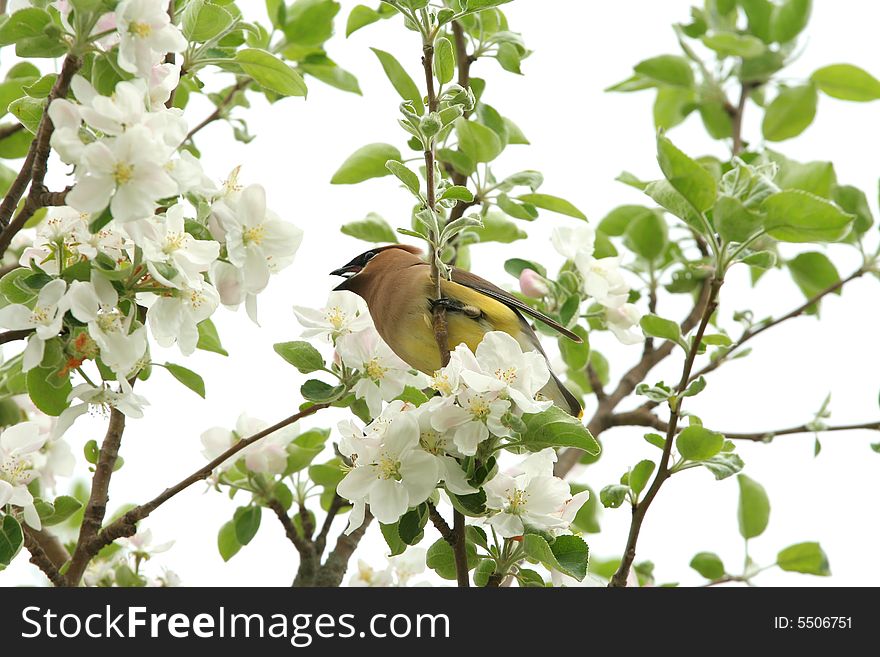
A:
<point x="532" y="284"/>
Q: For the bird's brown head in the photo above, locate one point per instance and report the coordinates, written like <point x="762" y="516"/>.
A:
<point x="362" y="269"/>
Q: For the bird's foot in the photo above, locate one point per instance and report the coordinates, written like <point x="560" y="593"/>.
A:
<point x="455" y="306"/>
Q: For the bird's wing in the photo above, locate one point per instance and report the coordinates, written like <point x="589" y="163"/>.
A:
<point x="483" y="286"/>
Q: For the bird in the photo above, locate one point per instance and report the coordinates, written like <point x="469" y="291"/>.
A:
<point x="397" y="285"/>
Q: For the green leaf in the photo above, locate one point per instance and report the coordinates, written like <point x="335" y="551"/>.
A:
<point x="813" y="272"/>
<point x="613" y="495"/>
<point x="640" y="475"/>
<point x="227" y="541"/>
<point x="28" y="111"/>
<point x="687" y="176"/>
<point x="574" y="552"/>
<point x="409" y="178"/>
<point x="796" y="216"/>
<point x="441" y="559"/>
<point x="647" y="235"/>
<point x="372" y="228"/>
<point x="730" y="44"/>
<point x="658" y="327"/>
<point x="552" y="203"/>
<point x="709" y="565"/>
<point x="310" y="22"/>
<point x="615" y="222"/>
<point x="816" y="178"/>
<point x="789" y="19"/>
<point x="318" y="391"/>
<point x="412" y="523"/>
<point x="477" y="141"/>
<point x="790" y="113"/>
<point x="47" y="387"/>
<point x="202" y="20"/>
<point x="247" y="523"/>
<point x="328" y="72"/>
<point x="716" y="120"/>
<point x="270" y="72"/>
<point x="63" y="507"/>
<point x="188" y="378"/>
<point x="668" y="69"/>
<point x="444" y="60"/>
<point x="575" y="355"/>
<point x="734" y="221"/>
<point x="303" y="450"/>
<point x="302" y="355"/>
<point x="209" y="339"/>
<point x="808" y="558"/>
<point x="42" y="87"/>
<point x="724" y="465"/>
<point x="23" y="24"/>
<point x="572" y="555"/>
<point x="496" y="228"/>
<point x="697" y="443"/>
<point x="672" y="106"/>
<point x="365" y="163"/>
<point x="392" y="538"/>
<point x="556" y="428"/>
<point x="754" y="507"/>
<point x="514" y="267"/>
<point x="11" y="539"/>
<point x="360" y="16"/>
<point x="853" y="200"/>
<point x="400" y="80"/>
<point x="457" y="193"/>
<point x="847" y="82"/>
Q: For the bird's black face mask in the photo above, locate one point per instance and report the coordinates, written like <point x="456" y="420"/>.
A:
<point x="352" y="268"/>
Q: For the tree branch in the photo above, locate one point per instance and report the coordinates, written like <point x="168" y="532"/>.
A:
<point x="127" y="524"/>
<point x="33" y="171"/>
<point x="663" y="473"/>
<point x="96" y="507"/>
<point x="33" y="542"/>
<point x="10" y="129"/>
<point x="217" y="114"/>
<point x="334" y="567"/>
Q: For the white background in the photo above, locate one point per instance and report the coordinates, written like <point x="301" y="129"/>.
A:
<point x="581" y="139"/>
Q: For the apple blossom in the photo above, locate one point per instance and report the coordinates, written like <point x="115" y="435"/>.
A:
<point x="175" y="317"/>
<point x="574" y="243"/>
<point x="385" y="375"/>
<point x="258" y="242"/>
<point x="126" y="172"/>
<point x="443" y="448"/>
<point x="531" y="497"/>
<point x="45" y="318"/>
<point x="622" y="320"/>
<point x="102" y="398"/>
<point x="146" y="35"/>
<point x="172" y="253"/>
<point x="344" y="313"/>
<point x="603" y="281"/>
<point x="501" y="366"/>
<point x="67" y="121"/>
<point x="477" y="415"/>
<point x="111" y="115"/>
<point x="18" y="445"/>
<point x="397" y="476"/>
<point x="367" y="576"/>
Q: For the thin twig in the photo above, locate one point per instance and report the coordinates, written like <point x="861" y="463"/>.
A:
<point x="225" y="102"/>
<point x="663" y="473"/>
<point x="126" y="525"/>
<point x="10" y="129"/>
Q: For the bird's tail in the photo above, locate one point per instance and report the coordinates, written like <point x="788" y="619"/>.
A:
<point x="556" y="391"/>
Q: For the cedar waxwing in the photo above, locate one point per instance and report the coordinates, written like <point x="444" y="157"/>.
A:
<point x="397" y="285"/>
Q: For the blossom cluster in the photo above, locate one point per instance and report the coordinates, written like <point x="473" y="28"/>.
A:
<point x="601" y="280"/>
<point x="146" y="248"/>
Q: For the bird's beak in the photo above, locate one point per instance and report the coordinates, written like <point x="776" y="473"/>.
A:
<point x="346" y="272"/>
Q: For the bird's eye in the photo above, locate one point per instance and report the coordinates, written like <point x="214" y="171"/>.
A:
<point x="369" y="255"/>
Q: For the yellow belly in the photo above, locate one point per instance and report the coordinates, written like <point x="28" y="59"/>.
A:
<point x="414" y="339"/>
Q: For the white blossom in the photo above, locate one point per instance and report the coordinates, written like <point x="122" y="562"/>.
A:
<point x="146" y="35"/>
<point x="385" y="375"/>
<point x="96" y="304"/>
<point x="101" y="398"/>
<point x="45" y="318"/>
<point x="344" y="313"/>
<point x="621" y="322"/>
<point x="18" y="447"/>
<point x="391" y="478"/>
<point x="532" y="497"/>
<point x="126" y="172"/>
<point x="175" y="318"/>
